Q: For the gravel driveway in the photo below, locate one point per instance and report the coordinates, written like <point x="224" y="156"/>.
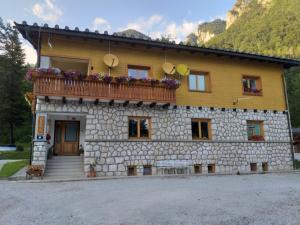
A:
<point x="249" y="199"/>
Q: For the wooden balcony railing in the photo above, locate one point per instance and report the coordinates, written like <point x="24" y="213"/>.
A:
<point x="48" y="85"/>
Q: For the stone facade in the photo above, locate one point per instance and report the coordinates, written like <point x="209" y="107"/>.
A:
<point x="39" y="156"/>
<point x="106" y="137"/>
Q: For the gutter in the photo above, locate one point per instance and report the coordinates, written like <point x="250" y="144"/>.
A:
<point x="288" y="118"/>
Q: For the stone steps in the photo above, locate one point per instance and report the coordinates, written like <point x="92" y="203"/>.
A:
<point x="64" y="167"/>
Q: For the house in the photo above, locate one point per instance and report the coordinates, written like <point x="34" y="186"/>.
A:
<point x="152" y="107"/>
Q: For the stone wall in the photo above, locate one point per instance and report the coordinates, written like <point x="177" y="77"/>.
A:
<point x="106" y="137"/>
<point x="39" y="156"/>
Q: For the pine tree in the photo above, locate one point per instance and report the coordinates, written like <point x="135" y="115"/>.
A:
<point x="12" y="103"/>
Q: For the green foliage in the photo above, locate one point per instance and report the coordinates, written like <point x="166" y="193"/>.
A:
<point x="11" y="168"/>
<point x="14" y="111"/>
<point x="297" y="164"/>
<point x="15" y="154"/>
<point x="216" y="27"/>
<point x="293" y="84"/>
<point x="192" y="39"/>
<point x="271" y="30"/>
<point x="132" y="33"/>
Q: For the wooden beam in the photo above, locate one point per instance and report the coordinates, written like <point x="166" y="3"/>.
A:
<point x="96" y="102"/>
<point x="47" y="99"/>
<point x="139" y="104"/>
<point x="64" y="100"/>
<point x="165" y="106"/>
<point x="126" y="103"/>
<point x="80" y="101"/>
<point x="111" y="102"/>
<point x="152" y="104"/>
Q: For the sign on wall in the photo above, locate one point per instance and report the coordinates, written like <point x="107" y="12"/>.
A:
<point x="40" y="132"/>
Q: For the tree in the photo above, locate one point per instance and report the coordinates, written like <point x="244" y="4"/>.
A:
<point x="12" y="103"/>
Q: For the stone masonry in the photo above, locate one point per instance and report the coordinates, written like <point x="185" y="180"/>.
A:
<point x="106" y="137"/>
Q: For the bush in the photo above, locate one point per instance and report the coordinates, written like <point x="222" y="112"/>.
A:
<point x="20" y="148"/>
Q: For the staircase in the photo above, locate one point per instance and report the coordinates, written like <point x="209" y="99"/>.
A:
<point x="64" y="167"/>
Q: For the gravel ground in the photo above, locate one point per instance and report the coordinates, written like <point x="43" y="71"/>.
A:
<point x="233" y="200"/>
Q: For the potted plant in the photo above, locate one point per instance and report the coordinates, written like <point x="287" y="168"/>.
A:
<point x="257" y="138"/>
<point x="94" y="77"/>
<point x="48" y="138"/>
<point x="121" y="79"/>
<point x="92" y="172"/>
<point x="171" y="83"/>
<point x="107" y="79"/>
<point x="81" y="150"/>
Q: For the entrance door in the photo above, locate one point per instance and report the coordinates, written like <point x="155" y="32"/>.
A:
<point x="66" y="138"/>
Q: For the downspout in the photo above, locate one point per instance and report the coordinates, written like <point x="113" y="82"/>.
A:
<point x="34" y="100"/>
<point x="289" y="119"/>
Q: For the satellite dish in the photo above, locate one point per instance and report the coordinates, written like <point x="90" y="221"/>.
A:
<point x="168" y="68"/>
<point x="182" y="69"/>
<point x="111" y="60"/>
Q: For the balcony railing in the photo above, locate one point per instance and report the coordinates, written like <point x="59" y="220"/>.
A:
<point x="50" y="85"/>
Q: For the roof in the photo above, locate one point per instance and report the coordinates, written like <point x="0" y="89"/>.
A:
<point x="32" y="33"/>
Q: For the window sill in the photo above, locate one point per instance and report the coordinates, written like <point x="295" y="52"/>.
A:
<point x="199" y="91"/>
<point x="137" y="138"/>
<point x="252" y="94"/>
<point x="201" y="139"/>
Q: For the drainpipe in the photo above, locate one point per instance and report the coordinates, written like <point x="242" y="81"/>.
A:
<point x="289" y="119"/>
<point x="32" y="137"/>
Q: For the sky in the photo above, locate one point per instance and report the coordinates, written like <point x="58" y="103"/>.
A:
<point x="173" y="18"/>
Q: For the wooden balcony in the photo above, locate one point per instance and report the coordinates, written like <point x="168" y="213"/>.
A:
<point x="57" y="86"/>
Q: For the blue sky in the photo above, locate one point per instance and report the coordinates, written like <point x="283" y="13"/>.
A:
<point x="175" y="19"/>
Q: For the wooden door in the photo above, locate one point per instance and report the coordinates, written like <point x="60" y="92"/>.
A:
<point x="66" y="137"/>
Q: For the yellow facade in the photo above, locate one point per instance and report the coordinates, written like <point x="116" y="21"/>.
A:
<point x="225" y="73"/>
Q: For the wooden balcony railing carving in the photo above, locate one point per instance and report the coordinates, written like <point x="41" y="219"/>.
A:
<point x="47" y="85"/>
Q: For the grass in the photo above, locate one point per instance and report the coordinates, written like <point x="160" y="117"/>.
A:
<point x="297" y="164"/>
<point x="11" y="168"/>
<point x="14" y="154"/>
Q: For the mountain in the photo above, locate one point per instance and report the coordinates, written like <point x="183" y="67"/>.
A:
<point x="268" y="27"/>
<point x="208" y="30"/>
<point x="132" y="33"/>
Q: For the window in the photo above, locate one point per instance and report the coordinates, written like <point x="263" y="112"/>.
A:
<point x="147" y="170"/>
<point x="138" y="72"/>
<point x="211" y="168"/>
<point x="253" y="167"/>
<point x="139" y="127"/>
<point x="255" y="130"/>
<point x="265" y="167"/>
<point x="71" y="132"/>
<point x="251" y="85"/>
<point x="201" y="129"/>
<point x="199" y="82"/>
<point x="197" y="168"/>
<point x="67" y="64"/>
<point x="131" y="170"/>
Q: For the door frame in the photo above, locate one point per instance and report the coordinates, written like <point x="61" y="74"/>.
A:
<point x="55" y="136"/>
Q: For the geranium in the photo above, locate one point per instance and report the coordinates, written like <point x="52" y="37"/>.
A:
<point x="73" y="75"/>
<point x="29" y="74"/>
<point x="257" y="138"/>
<point x="121" y="79"/>
<point x="132" y="80"/>
<point x="171" y="83"/>
<point x="95" y="76"/>
<point x="107" y="79"/>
